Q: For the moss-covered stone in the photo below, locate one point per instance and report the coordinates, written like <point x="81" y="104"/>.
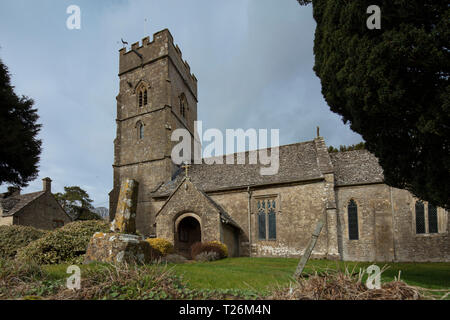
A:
<point x="125" y="219"/>
<point x="120" y="248"/>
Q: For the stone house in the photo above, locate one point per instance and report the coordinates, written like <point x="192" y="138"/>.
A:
<point x="38" y="209"/>
<point x="365" y="220"/>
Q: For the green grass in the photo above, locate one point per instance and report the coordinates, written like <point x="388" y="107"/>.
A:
<point x="261" y="274"/>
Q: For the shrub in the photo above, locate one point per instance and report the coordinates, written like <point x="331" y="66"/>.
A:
<point x="207" y="256"/>
<point x="212" y="246"/>
<point x="13" y="238"/>
<point x="164" y="246"/>
<point x="64" y="245"/>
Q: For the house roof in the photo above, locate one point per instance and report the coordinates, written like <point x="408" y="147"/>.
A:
<point x="298" y="162"/>
<point x="356" y="167"/>
<point x="13" y="204"/>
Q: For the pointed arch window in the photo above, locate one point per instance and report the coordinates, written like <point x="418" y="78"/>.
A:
<point x="183" y="105"/>
<point x="420" y="217"/>
<point x="261" y="220"/>
<point x="267" y="223"/>
<point x="352" y="211"/>
<point x="140" y="130"/>
<point x="142" y="93"/>
<point x="428" y="218"/>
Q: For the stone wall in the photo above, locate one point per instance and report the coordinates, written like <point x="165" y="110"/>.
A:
<point x="187" y="199"/>
<point x="386" y="227"/>
<point x="148" y="161"/>
<point x="410" y="246"/>
<point x="6" y="221"/>
<point x="299" y="209"/>
<point x="230" y="237"/>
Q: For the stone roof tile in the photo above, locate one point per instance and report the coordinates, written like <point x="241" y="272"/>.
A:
<point x="298" y="162"/>
<point x="356" y="167"/>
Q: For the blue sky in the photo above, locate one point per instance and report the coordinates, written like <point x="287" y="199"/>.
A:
<point x="253" y="60"/>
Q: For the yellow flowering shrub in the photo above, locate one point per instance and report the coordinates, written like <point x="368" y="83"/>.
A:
<point x="223" y="247"/>
<point x="163" y="246"/>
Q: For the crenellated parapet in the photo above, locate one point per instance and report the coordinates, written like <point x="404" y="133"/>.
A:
<point x="146" y="52"/>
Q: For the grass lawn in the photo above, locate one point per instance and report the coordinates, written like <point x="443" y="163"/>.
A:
<point x="261" y="274"/>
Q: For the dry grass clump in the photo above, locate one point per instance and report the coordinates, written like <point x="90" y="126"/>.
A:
<point x="339" y="285"/>
<point x="16" y="278"/>
<point x="126" y="282"/>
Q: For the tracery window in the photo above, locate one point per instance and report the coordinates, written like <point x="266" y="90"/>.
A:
<point x="267" y="220"/>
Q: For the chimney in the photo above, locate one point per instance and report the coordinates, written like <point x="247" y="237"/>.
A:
<point x="13" y="191"/>
<point x="47" y="184"/>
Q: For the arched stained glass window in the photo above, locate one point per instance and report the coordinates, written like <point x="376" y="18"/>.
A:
<point x="432" y="219"/>
<point x="420" y="217"/>
<point x="353" y="233"/>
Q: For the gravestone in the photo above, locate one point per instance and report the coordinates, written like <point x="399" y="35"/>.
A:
<point x="122" y="245"/>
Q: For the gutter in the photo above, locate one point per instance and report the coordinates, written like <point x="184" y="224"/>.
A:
<point x="249" y="210"/>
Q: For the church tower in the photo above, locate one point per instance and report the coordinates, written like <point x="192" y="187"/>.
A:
<point x="157" y="95"/>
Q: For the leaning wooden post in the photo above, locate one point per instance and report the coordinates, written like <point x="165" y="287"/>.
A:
<point x="305" y="257"/>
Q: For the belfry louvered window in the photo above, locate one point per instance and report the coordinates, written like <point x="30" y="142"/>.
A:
<point x="145" y="97"/>
<point x="267" y="220"/>
<point x="432" y="219"/>
<point x="420" y="217"/>
<point x="352" y="209"/>
<point x="140" y="99"/>
<point x="183" y="105"/>
<point x="142" y="95"/>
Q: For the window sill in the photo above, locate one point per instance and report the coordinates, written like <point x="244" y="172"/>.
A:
<point x="430" y="235"/>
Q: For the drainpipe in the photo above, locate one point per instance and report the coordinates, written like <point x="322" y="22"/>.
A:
<point x="393" y="224"/>
<point x="249" y="209"/>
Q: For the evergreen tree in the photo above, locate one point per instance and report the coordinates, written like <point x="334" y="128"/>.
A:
<point x="77" y="203"/>
<point x="391" y="85"/>
<point x="19" y="146"/>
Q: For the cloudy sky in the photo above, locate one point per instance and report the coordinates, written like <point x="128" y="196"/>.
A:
<point x="253" y="60"/>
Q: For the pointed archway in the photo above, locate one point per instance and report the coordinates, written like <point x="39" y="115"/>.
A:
<point x="187" y="232"/>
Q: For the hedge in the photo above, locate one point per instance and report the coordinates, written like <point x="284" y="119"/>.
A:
<point x="64" y="245"/>
<point x="13" y="238"/>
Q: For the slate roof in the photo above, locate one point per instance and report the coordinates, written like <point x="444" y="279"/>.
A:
<point x="356" y="167"/>
<point x="298" y="162"/>
<point x="13" y="204"/>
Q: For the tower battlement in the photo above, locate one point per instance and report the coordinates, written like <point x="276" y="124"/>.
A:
<point x="146" y="51"/>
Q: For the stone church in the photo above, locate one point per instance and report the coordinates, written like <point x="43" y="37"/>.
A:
<point x="255" y="215"/>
